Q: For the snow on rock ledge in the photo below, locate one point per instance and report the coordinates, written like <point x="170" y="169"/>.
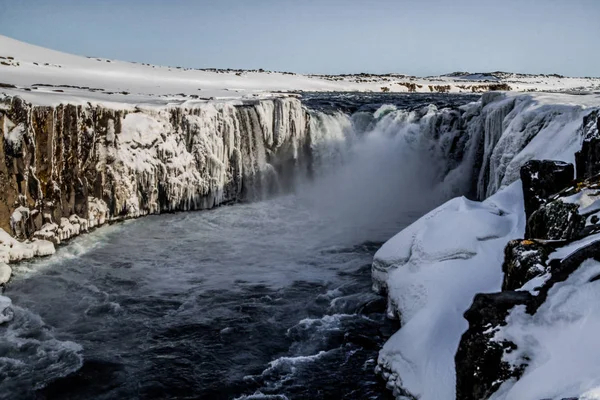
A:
<point x="12" y="250"/>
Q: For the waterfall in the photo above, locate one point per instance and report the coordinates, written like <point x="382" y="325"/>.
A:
<point x="331" y="136"/>
<point x="142" y="160"/>
<point x="69" y="167"/>
<point x="493" y="128"/>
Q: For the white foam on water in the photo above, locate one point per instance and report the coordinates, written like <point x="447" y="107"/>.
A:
<point x="288" y="364"/>
<point x="30" y="355"/>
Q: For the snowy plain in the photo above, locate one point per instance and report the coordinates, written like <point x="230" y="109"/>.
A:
<point x="33" y="69"/>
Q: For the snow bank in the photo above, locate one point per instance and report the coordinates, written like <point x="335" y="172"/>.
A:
<point x="431" y="271"/>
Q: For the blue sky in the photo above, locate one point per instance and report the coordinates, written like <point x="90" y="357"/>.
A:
<point x="421" y="37"/>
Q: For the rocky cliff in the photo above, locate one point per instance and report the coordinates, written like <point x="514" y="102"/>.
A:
<point x="433" y="270"/>
<point x="65" y="169"/>
<point x="548" y="289"/>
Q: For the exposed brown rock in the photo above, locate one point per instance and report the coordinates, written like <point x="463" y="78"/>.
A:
<point x="55" y="160"/>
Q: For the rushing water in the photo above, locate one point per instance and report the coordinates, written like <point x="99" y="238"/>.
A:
<point x="263" y="300"/>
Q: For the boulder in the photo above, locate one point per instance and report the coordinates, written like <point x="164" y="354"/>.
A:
<point x="541" y="179"/>
<point x="523" y="261"/>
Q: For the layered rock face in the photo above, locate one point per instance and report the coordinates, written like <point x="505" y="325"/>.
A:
<point x="69" y="168"/>
<point x="561" y="234"/>
<point x="65" y="169"/>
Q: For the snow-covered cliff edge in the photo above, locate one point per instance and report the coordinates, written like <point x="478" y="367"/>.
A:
<point x="432" y="270"/>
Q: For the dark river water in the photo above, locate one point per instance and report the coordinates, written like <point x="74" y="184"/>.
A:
<point x="257" y="298"/>
<point x="268" y="300"/>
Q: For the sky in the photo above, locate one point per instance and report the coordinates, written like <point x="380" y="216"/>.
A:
<point x="417" y="37"/>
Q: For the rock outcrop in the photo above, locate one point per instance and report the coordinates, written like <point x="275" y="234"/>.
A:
<point x="479" y="357"/>
<point x="588" y="158"/>
<point x="556" y="220"/>
<point x="523" y="261"/>
<point x="541" y="179"/>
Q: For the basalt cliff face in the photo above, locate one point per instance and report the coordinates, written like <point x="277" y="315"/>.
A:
<point x="83" y="165"/>
<point x="65" y="169"/>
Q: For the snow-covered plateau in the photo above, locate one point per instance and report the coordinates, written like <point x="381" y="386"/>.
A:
<point x="49" y="77"/>
<point x="495" y="289"/>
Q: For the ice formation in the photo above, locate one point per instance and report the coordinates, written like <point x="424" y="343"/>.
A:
<point x="75" y="167"/>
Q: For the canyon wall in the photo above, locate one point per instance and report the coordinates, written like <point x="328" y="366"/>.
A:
<point x="67" y="168"/>
<point x="536" y="337"/>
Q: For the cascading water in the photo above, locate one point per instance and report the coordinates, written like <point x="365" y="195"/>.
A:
<point x="269" y="299"/>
